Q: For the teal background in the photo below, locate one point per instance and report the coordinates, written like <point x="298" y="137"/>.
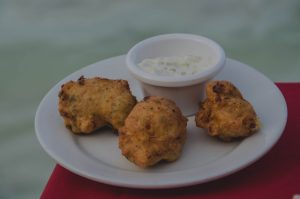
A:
<point x="42" y="41"/>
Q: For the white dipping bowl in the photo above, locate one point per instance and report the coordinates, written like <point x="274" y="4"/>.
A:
<point x="188" y="90"/>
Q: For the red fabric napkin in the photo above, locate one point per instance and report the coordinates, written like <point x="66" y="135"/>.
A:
<point x="276" y="175"/>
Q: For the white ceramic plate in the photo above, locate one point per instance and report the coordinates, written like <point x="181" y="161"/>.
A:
<point x="203" y="159"/>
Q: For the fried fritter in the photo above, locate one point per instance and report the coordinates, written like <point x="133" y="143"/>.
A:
<point x="225" y="113"/>
<point x="88" y="104"/>
<point x="155" y="130"/>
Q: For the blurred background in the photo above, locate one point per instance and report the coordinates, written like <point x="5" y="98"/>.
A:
<point x="42" y="41"/>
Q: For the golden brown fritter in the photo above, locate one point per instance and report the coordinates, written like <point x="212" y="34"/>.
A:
<point x="225" y="113"/>
<point x="89" y="104"/>
<point x="155" y="130"/>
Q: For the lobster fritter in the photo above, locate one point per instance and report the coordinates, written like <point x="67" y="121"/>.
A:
<point x="88" y="104"/>
<point x="225" y="113"/>
<point x="155" y="130"/>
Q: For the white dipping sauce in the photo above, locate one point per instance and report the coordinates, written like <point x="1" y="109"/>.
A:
<point x="175" y="65"/>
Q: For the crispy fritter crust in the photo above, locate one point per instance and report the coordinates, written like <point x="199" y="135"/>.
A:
<point x="225" y="113"/>
<point x="88" y="104"/>
<point x="155" y="130"/>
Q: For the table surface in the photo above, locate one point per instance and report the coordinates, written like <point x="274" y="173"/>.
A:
<point x="276" y="175"/>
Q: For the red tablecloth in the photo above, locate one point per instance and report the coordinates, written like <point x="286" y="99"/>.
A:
<point x="276" y="175"/>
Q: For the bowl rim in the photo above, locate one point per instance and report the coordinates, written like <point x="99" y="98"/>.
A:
<point x="174" y="81"/>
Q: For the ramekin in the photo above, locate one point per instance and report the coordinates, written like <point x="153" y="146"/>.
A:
<point x="186" y="91"/>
